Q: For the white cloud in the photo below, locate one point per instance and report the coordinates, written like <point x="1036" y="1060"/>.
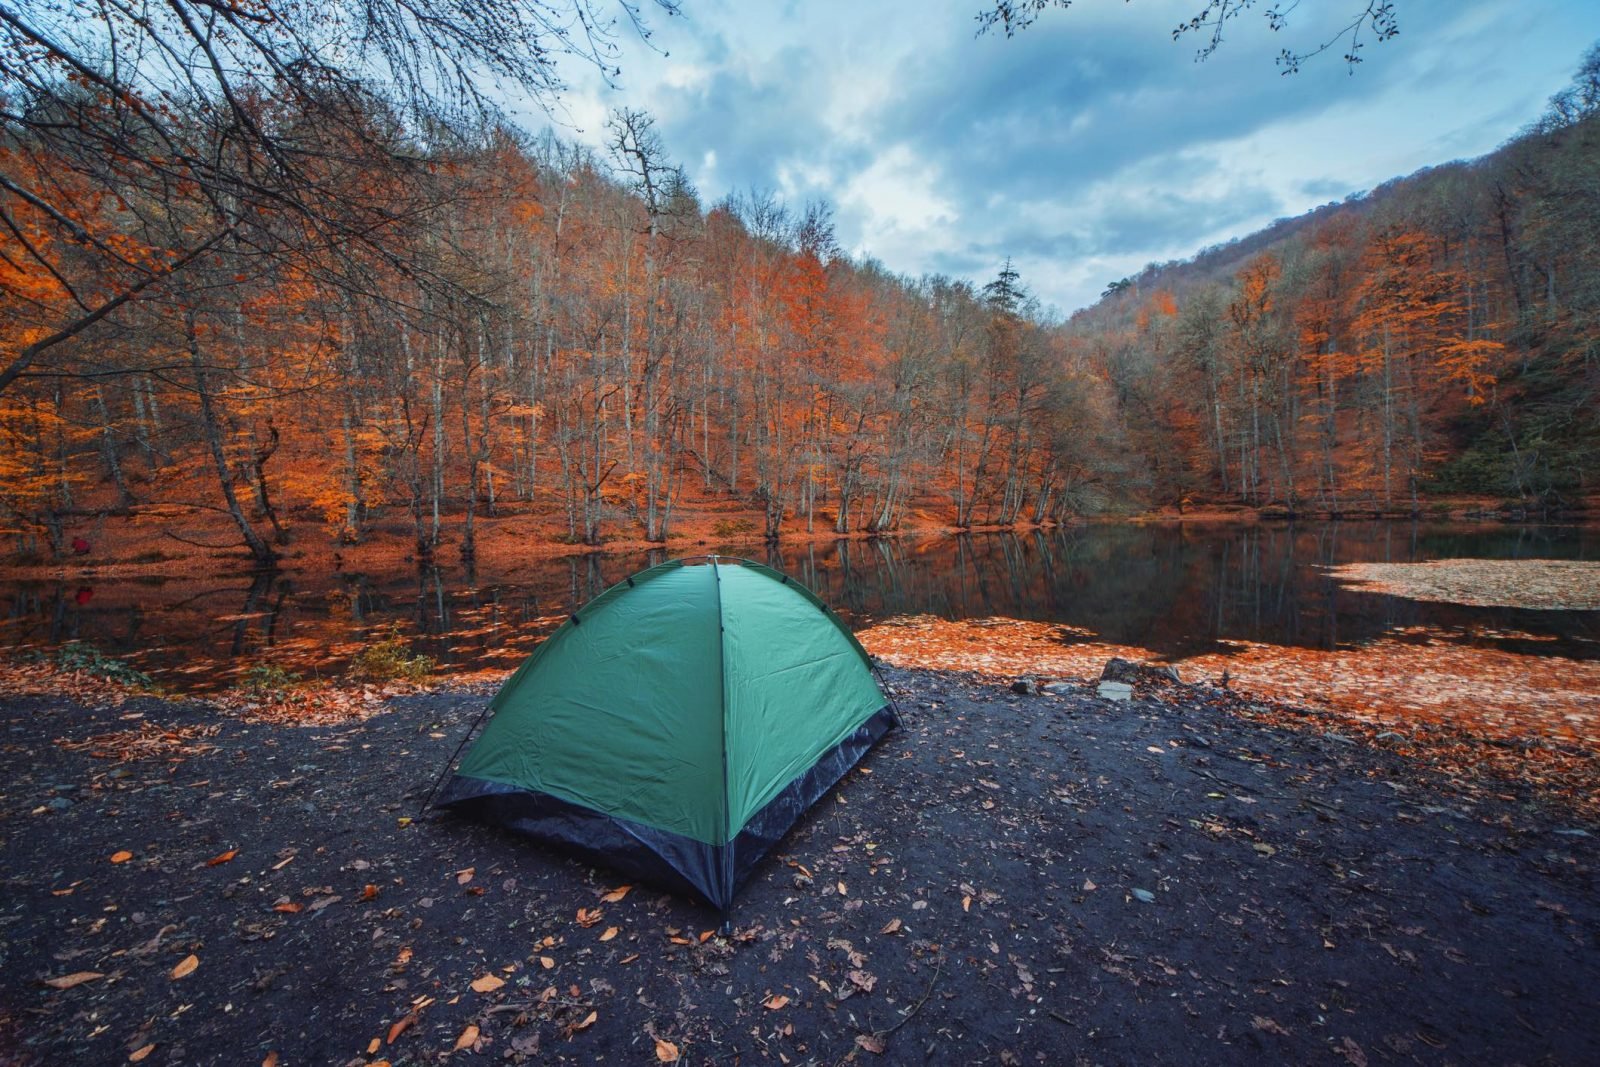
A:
<point x="1087" y="146"/>
<point x="897" y="191"/>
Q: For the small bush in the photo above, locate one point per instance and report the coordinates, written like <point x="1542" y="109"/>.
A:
<point x="79" y="656"/>
<point x="733" y="527"/>
<point x="265" y="678"/>
<point x="390" y="660"/>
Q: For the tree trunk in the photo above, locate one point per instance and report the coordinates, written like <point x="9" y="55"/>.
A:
<point x="260" y="551"/>
<point x="258" y="475"/>
<point x="109" y="451"/>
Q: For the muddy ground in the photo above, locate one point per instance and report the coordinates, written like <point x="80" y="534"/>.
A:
<point x="1010" y="878"/>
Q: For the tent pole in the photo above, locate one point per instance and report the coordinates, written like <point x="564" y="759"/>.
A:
<point x="883" y="683"/>
<point x="451" y="761"/>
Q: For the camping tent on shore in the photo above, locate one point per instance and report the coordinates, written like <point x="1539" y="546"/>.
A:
<point x="678" y="725"/>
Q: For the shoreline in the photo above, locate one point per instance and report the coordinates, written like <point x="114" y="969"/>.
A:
<point x="1545" y="726"/>
<point x="144" y="548"/>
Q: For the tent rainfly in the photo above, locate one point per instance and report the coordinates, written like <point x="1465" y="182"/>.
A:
<point x="678" y="725"/>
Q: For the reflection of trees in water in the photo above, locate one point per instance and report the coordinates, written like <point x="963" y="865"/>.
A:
<point x="433" y="609"/>
<point x="1176" y="590"/>
<point x="260" y="612"/>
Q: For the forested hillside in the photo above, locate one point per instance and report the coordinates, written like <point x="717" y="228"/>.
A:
<point x="516" y="325"/>
<point x="1437" y="336"/>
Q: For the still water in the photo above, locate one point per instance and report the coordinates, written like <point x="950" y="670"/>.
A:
<point x="1177" y="591"/>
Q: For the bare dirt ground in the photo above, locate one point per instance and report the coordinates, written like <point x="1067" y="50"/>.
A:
<point x="1192" y="877"/>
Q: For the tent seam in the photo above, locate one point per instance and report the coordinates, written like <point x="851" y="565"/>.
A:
<point x="722" y="698"/>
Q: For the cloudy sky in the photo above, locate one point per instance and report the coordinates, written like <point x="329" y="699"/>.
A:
<point x="1087" y="146"/>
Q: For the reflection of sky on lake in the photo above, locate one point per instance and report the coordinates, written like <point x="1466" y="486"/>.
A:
<point x="1178" y="591"/>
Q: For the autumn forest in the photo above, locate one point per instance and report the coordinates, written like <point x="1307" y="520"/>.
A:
<point x="348" y="318"/>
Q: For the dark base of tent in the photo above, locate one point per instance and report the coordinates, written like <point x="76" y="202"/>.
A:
<point x="672" y="861"/>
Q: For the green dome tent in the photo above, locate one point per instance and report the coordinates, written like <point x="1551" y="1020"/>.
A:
<point x="677" y="725"/>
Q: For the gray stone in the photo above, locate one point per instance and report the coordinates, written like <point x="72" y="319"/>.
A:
<point x="1144" y="895"/>
<point x="1114" y="691"/>
<point x="58" y="804"/>
<point x="1060" y="689"/>
<point x="1118" y="669"/>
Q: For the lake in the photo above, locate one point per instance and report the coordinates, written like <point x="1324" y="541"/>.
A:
<point x="1177" y="591"/>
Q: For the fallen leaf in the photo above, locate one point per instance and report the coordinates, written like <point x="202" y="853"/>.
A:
<point x="705" y="935"/>
<point x="404" y="1023"/>
<point x="221" y="858"/>
<point x="270" y="1060"/>
<point x="616" y="894"/>
<point x="123" y="857"/>
<point x="666" y="1051"/>
<point x="1352" y="1052"/>
<point x="774" y="1002"/>
<point x="1263" y="1023"/>
<point x="138" y="1055"/>
<point x="588" y="1021"/>
<point x="843" y="891"/>
<point x="487" y="984"/>
<point x="186" y="967"/>
<point x="863" y="980"/>
<point x="611" y="931"/>
<point x="468" y="1038"/>
<point x="547" y="963"/>
<point x="891" y="927"/>
<point x="1264" y="849"/>
<point x="290" y="907"/>
<point x="67" y="981"/>
<point x="588" y="917"/>
<point x="629" y="959"/>
<point x="966" y="903"/>
<point x="369" y="893"/>
<point x="1088" y="886"/>
<point x="374" y="1045"/>
<point x="465" y="876"/>
<point x="872" y="1043"/>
